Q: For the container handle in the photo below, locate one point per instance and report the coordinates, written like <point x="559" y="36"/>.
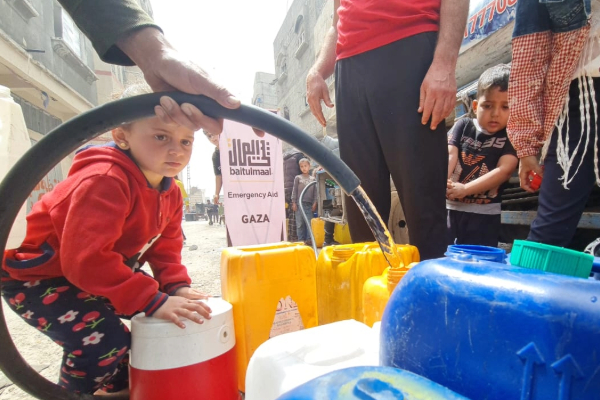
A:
<point x="376" y="389"/>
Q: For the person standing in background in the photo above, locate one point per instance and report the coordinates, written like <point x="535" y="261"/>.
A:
<point x="308" y="204"/>
<point x="213" y="138"/>
<point x="394" y="64"/>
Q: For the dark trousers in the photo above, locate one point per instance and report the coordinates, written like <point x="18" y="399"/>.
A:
<point x="560" y="209"/>
<point x="380" y="133"/>
<point x="94" y="340"/>
<point x="329" y="230"/>
<point x="471" y="228"/>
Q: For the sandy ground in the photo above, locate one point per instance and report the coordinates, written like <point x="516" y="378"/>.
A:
<point x="45" y="356"/>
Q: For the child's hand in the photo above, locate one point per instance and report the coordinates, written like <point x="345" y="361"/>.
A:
<point x="177" y="306"/>
<point x="314" y="207"/>
<point x="191" y="294"/>
<point x="294" y="207"/>
<point x="456" y="190"/>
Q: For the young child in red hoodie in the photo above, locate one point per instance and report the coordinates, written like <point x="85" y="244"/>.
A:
<point x="78" y="269"/>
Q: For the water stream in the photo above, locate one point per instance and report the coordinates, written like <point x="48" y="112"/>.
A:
<point x="378" y="227"/>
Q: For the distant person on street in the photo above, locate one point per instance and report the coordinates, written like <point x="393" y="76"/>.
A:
<point x="78" y="271"/>
<point x="308" y="203"/>
<point x="213" y="138"/>
<point x="209" y="212"/>
<point x="394" y="63"/>
<point x="481" y="159"/>
<point x="221" y="213"/>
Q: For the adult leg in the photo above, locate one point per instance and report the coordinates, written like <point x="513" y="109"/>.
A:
<point x="417" y="156"/>
<point x="560" y="209"/>
<point x="329" y="230"/>
<point x="93" y="338"/>
<point x="359" y="145"/>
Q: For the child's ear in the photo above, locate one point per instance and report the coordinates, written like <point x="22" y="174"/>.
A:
<point x="474" y="106"/>
<point x="120" y="138"/>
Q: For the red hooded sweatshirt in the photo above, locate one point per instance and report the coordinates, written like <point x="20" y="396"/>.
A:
<point x="98" y="226"/>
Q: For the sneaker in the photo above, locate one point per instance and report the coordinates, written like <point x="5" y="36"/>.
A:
<point x="308" y="242"/>
<point x="332" y="243"/>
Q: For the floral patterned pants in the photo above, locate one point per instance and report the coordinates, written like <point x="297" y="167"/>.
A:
<point x="94" y="339"/>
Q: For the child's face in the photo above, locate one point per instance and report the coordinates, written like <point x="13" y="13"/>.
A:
<point x="213" y="138"/>
<point x="304" y="167"/>
<point x="492" y="110"/>
<point x="158" y="149"/>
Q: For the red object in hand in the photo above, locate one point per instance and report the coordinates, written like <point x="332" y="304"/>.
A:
<point x="535" y="180"/>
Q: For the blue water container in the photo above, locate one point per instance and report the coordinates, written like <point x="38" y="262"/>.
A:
<point x="370" y="383"/>
<point x="491" y="331"/>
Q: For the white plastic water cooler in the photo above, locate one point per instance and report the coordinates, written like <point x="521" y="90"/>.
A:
<point x="195" y="363"/>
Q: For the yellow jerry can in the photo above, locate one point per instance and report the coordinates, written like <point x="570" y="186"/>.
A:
<point x="342" y="272"/>
<point x="273" y="291"/>
<point x="377" y="291"/>
<point x="318" y="229"/>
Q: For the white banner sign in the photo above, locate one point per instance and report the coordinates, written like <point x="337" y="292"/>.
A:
<point x="252" y="171"/>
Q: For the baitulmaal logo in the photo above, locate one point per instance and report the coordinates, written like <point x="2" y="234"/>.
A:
<point x="249" y="157"/>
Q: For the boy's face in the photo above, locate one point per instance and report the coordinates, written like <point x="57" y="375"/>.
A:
<point x="304" y="167"/>
<point x="158" y="149"/>
<point x="212" y="137"/>
<point x="492" y="110"/>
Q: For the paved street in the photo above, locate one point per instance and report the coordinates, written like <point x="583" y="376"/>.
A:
<point x="45" y="356"/>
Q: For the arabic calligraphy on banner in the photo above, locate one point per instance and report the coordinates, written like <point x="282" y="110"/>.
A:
<point x="252" y="171"/>
<point x="485" y="18"/>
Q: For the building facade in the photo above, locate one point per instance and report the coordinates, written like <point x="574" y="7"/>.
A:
<point x="265" y="91"/>
<point x="295" y="49"/>
<point x="47" y="63"/>
<point x="53" y="71"/>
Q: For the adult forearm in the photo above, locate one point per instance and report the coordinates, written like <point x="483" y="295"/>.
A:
<point x="144" y="45"/>
<point x="105" y="22"/>
<point x="325" y="64"/>
<point x="453" y="19"/>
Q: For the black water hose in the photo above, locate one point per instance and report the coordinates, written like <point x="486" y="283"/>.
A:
<point x="43" y="156"/>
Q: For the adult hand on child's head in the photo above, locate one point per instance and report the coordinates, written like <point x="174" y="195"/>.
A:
<point x="526" y="166"/>
<point x="438" y="94"/>
<point x="192" y="294"/>
<point x="166" y="69"/>
<point x="176" y="307"/>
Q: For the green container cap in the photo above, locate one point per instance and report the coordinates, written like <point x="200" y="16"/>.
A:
<point x="549" y="258"/>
